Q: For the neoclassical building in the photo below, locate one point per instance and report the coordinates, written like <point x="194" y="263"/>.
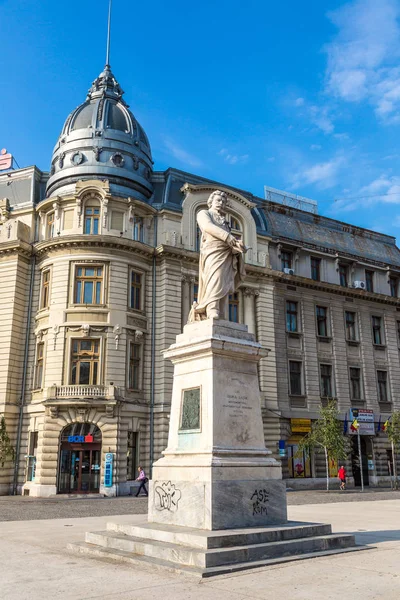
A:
<point x="98" y="271"/>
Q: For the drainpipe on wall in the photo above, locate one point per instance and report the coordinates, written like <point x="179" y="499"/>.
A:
<point x="153" y="347"/>
<point x="24" y="376"/>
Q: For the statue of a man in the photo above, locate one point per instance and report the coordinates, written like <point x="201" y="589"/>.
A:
<point x="221" y="268"/>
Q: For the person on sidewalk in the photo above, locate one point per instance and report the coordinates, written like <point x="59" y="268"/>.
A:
<point x="342" y="478"/>
<point x="143" y="480"/>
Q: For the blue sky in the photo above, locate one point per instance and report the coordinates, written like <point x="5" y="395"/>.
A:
<point x="300" y="96"/>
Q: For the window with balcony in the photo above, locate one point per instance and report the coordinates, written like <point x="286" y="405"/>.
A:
<point x="89" y="285"/>
<point x="295" y="378"/>
<point x="369" y="281"/>
<point x="85" y="360"/>
<point x="50" y="224"/>
<point x="135" y="300"/>
<point x="326" y="381"/>
<point x="394" y="286"/>
<point x="92" y="218"/>
<point x="322" y="321"/>
<point x="45" y="289"/>
<point x="234" y="307"/>
<point x="292" y="324"/>
<point x="38" y="384"/>
<point x="382" y="386"/>
<point x="343" y="275"/>
<point x="355" y="383"/>
<point x="377" y="331"/>
<point x="315" y="268"/>
<point x="286" y="260"/>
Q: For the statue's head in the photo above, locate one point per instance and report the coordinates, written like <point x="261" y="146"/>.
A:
<point x="218" y="200"/>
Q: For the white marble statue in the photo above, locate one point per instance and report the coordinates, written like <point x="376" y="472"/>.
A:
<point x="221" y="268"/>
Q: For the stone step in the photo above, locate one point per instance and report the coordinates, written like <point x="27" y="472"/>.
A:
<point x="149" y="563"/>
<point x="215" y="557"/>
<point x="197" y="538"/>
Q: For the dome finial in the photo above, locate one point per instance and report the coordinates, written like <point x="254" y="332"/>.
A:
<point x="108" y="34"/>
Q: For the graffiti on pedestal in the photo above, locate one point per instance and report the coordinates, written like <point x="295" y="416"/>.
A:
<point x="259" y="500"/>
<point x="166" y="496"/>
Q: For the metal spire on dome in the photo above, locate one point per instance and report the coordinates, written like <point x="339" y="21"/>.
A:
<point x="108" y="34"/>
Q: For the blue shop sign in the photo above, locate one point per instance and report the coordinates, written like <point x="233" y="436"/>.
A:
<point x="76" y="438"/>
<point x="108" y="469"/>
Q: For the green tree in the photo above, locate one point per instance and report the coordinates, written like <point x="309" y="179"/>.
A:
<point x="6" y="449"/>
<point x="327" y="433"/>
<point x="393" y="433"/>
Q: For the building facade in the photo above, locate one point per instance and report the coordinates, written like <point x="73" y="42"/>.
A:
<point x="98" y="271"/>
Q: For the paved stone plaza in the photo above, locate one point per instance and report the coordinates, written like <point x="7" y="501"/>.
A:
<point x="26" y="546"/>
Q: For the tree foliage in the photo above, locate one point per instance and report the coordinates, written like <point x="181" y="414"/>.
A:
<point x="6" y="449"/>
<point x="393" y="430"/>
<point x="327" y="433"/>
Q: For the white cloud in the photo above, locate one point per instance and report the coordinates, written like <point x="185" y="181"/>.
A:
<point x="233" y="159"/>
<point x="362" y="58"/>
<point x="181" y="154"/>
<point x="323" y="175"/>
<point x="382" y="190"/>
<point x="315" y="147"/>
<point x="299" y="102"/>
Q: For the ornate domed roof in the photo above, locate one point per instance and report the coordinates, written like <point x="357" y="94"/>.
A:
<point x="101" y="139"/>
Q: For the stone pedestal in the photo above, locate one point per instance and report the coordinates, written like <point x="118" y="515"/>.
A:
<point x="216" y="472"/>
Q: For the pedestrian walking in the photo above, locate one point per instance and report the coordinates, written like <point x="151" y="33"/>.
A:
<point x="143" y="480"/>
<point x="342" y="477"/>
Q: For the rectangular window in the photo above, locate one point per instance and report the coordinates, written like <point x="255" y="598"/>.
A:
<point x="291" y="316"/>
<point x="50" y="225"/>
<point x="39" y="366"/>
<point x="343" y="275"/>
<point x="234" y="308"/>
<point x="315" y="269"/>
<point x="88" y="285"/>
<point x="138" y="229"/>
<point x="117" y="220"/>
<point x="92" y="216"/>
<point x="398" y="333"/>
<point x="369" y="281"/>
<point x="322" y="321"/>
<point x="326" y="381"/>
<point x="131" y="455"/>
<point x="195" y="292"/>
<point x="394" y="285"/>
<point x="45" y="292"/>
<point x="136" y="291"/>
<point x="355" y="383"/>
<point x="382" y="386"/>
<point x="377" y="330"/>
<point x="351" y="329"/>
<point x="287" y="259"/>
<point x="85" y="357"/>
<point x="134" y="366"/>
<point x="295" y="387"/>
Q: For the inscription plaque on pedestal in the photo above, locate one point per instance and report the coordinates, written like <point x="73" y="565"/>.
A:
<point x="190" y="416"/>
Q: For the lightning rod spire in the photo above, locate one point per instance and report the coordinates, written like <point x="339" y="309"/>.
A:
<point x="108" y="34"/>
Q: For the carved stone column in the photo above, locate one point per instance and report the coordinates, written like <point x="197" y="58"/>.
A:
<point x="249" y="295"/>
<point x="185" y="298"/>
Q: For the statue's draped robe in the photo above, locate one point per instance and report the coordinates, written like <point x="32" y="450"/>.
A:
<point x="221" y="268"/>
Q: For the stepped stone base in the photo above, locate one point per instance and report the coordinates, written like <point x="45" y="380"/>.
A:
<point x="205" y="553"/>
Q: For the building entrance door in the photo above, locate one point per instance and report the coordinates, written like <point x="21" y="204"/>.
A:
<point x="355" y="461"/>
<point x="80" y="460"/>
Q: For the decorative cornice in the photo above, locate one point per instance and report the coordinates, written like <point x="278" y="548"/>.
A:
<point x="209" y="188"/>
<point x="332" y="288"/>
<point x="92" y="241"/>
<point x="16" y="247"/>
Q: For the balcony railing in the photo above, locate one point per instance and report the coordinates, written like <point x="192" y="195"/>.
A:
<point x="82" y="391"/>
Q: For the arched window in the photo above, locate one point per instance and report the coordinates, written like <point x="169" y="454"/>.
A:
<point x="92" y="218"/>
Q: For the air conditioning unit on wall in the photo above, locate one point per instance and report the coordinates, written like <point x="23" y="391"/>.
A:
<point x="288" y="271"/>
<point x="359" y="284"/>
